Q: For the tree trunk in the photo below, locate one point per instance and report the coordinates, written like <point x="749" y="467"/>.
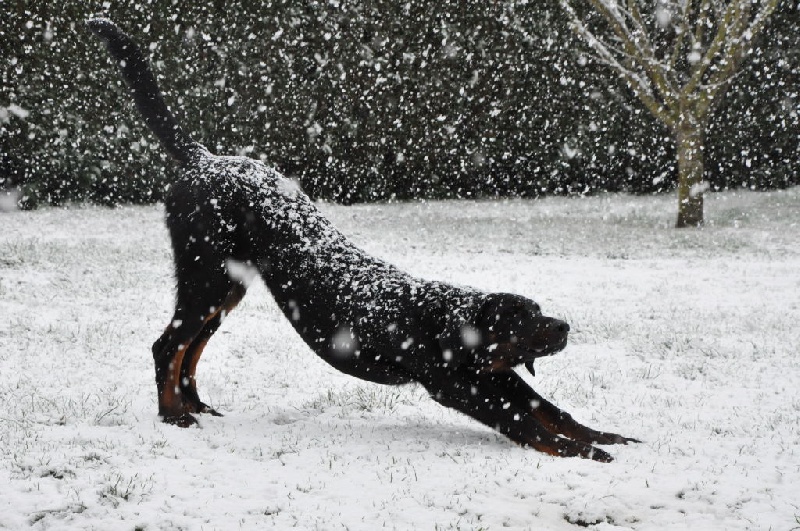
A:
<point x="690" y="132"/>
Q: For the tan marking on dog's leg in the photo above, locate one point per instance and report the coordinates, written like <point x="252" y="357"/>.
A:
<point x="170" y="403"/>
<point x="187" y="377"/>
<point x="188" y="380"/>
<point x="170" y="399"/>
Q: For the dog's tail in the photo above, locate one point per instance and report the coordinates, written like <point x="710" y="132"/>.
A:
<point x="146" y="94"/>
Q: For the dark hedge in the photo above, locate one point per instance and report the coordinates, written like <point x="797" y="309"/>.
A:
<point x="366" y="101"/>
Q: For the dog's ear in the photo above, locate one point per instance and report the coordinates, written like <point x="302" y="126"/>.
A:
<point x="462" y="342"/>
<point x="458" y="343"/>
<point x="496" y="307"/>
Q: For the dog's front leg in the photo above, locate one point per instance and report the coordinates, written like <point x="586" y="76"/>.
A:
<point x="478" y="397"/>
<point x="549" y="415"/>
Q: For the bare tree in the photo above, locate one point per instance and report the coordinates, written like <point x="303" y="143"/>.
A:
<point x="678" y="57"/>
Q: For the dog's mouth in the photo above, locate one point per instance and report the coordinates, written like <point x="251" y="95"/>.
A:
<point x="506" y="356"/>
<point x="546" y="350"/>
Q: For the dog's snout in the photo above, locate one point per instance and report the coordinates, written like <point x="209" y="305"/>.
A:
<point x="561" y="326"/>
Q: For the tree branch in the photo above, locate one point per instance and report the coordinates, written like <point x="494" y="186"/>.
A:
<point x="640" y="87"/>
<point x="701" y="67"/>
<point x="739" y="48"/>
<point x="702" y="20"/>
<point x="637" y="46"/>
<point x="655" y="82"/>
<point x="683" y="31"/>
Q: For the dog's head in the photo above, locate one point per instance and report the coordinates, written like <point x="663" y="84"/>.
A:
<point x="508" y="330"/>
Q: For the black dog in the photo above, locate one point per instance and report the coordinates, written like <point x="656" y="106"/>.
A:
<point x="360" y="314"/>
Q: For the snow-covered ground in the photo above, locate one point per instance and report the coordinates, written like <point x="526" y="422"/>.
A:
<point x="685" y="339"/>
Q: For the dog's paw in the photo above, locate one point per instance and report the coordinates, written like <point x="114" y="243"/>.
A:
<point x="561" y="447"/>
<point x="596" y="454"/>
<point x="587" y="451"/>
<point x="208" y="410"/>
<point x="184" y="420"/>
<point x="580" y="433"/>
<point x="202" y="408"/>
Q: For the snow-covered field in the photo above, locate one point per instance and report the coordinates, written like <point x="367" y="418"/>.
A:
<point x="685" y="339"/>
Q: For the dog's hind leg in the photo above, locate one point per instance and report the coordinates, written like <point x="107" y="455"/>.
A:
<point x="188" y="383"/>
<point x="197" y="315"/>
<point x="549" y="415"/>
<point x="204" y="291"/>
